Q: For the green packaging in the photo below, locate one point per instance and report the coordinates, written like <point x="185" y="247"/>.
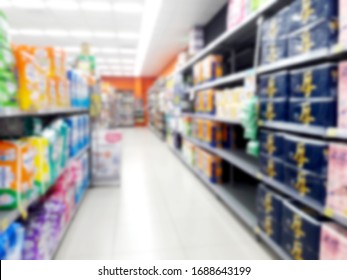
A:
<point x="6" y="59"/>
<point x="8" y="89"/>
<point x="4" y="30"/>
<point x="53" y="159"/>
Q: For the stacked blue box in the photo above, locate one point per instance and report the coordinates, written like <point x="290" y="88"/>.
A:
<point x="274" y="37"/>
<point x="305" y="12"/>
<point x="269" y="213"/>
<point x="317" y="36"/>
<point x="272" y="144"/>
<point x="272" y="167"/>
<point x="274" y="109"/>
<point x="300" y="232"/>
<point x="306" y="167"/>
<point x="274" y="85"/>
<point x="313" y="96"/>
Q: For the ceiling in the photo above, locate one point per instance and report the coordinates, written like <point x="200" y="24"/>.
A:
<point x="128" y="37"/>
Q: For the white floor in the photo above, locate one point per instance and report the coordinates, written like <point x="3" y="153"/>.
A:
<point x="161" y="211"/>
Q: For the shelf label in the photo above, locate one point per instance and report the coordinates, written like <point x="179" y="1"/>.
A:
<point x="4" y="224"/>
<point x="339" y="48"/>
<point x="257" y="230"/>
<point x="332" y="132"/>
<point x="328" y="212"/>
<point x="260" y="176"/>
<point x="260" y="123"/>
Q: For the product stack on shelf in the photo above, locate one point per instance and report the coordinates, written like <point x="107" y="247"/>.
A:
<point x="292" y="191"/>
<point x="45" y="138"/>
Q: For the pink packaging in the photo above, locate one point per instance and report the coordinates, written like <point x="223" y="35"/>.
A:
<point x="337" y="179"/>
<point x="342" y="96"/>
<point x="343" y="22"/>
<point x="333" y="244"/>
<point x="236" y="13"/>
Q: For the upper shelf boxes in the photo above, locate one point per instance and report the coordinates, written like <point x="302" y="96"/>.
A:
<point x="304" y="26"/>
<point x="208" y="69"/>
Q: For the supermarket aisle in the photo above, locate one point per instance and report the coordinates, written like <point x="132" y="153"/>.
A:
<point x="161" y="212"/>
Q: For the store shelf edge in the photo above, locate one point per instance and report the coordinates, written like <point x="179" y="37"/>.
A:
<point x="232" y="203"/>
<point x="8" y="217"/>
<point x="276" y="248"/>
<point x="227" y="35"/>
<point x="18" y="113"/>
<point x="210" y="117"/>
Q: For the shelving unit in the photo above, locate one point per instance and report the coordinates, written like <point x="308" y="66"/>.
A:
<point x="211" y="118"/>
<point x="42" y="113"/>
<point x="235" y="201"/>
<point x="8" y="217"/>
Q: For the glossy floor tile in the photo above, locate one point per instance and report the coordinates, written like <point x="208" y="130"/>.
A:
<point x="161" y="211"/>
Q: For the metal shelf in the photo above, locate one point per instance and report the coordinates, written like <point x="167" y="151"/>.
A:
<point x="318" y="56"/>
<point x="16" y="113"/>
<point x="231" y="35"/>
<point x="8" y="217"/>
<point x="210" y="117"/>
<point x="273" y="245"/>
<point x="331" y="133"/>
<point x="232" y="78"/>
<point x="244" y="214"/>
<point x="238" y="159"/>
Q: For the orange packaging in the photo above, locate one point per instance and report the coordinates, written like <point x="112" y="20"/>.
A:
<point x="212" y="67"/>
<point x="17" y="172"/>
<point x="58" y="58"/>
<point x="52" y="92"/>
<point x="63" y="93"/>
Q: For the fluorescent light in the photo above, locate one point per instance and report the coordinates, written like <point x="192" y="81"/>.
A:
<point x="56" y="33"/>
<point x="66" y="5"/>
<point x="31" y="32"/>
<point x="128" y="51"/>
<point x="26" y="4"/>
<point x="130" y="61"/>
<point x="125" y="7"/>
<point x="104" y="34"/>
<point x="5" y="4"/>
<point x="109" y="50"/>
<point x="96" y="6"/>
<point x="14" y="31"/>
<point x="128" y="35"/>
<point x="149" y="21"/>
<point x="80" y="33"/>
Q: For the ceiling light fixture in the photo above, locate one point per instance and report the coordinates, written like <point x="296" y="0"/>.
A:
<point x="80" y="33"/>
<point x="128" y="35"/>
<point x="56" y="33"/>
<point x="31" y="32"/>
<point x="104" y="34"/>
<point x="130" y="8"/>
<point x="149" y="21"/>
<point x="96" y="6"/>
<point x="128" y="51"/>
<point x="109" y="50"/>
<point x="65" y="5"/>
<point x="32" y="4"/>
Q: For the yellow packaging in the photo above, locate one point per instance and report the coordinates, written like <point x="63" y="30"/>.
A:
<point x="32" y="93"/>
<point x="212" y="67"/>
<point x="41" y="162"/>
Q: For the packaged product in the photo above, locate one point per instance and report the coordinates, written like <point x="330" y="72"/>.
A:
<point x="272" y="144"/>
<point x="12" y="242"/>
<point x="333" y="243"/>
<point x="317" y="36"/>
<point x="8" y="90"/>
<point x="317" y="81"/>
<point x="4" y="31"/>
<point x="337" y="179"/>
<point x="54" y="151"/>
<point x="342" y="96"/>
<point x="237" y="12"/>
<point x="32" y="93"/>
<point x="308" y="154"/>
<point x="300" y="232"/>
<point x="276" y="26"/>
<point x="257" y="4"/>
<point x="196" y="40"/>
<point x="342" y="22"/>
<point x="212" y="67"/>
<point x="204" y="102"/>
<point x="306" y="183"/>
<point x="6" y="59"/>
<point x="17" y="171"/>
<point x="274" y="109"/>
<point x="305" y="12"/>
<point x="42" y="178"/>
<point x="274" y="50"/>
<point x="274" y="85"/>
<point x="52" y="92"/>
<point x="272" y="167"/>
<point x="269" y="213"/>
<point x="320" y="112"/>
